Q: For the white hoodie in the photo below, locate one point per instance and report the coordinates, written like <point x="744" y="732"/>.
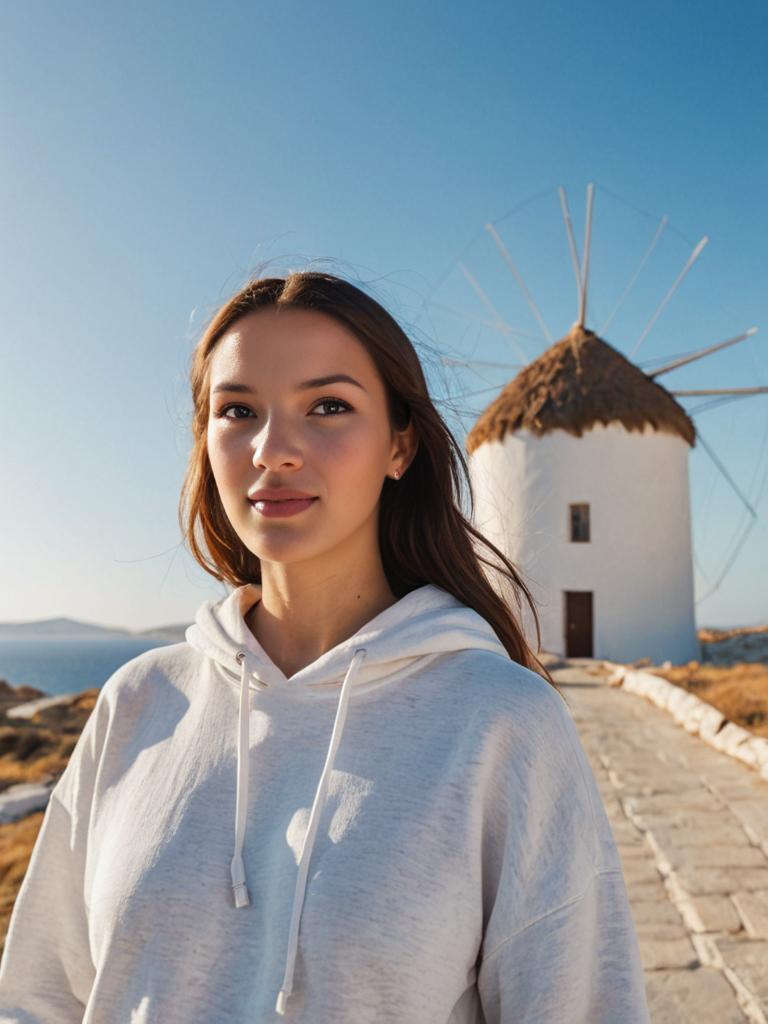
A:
<point x="407" y="830"/>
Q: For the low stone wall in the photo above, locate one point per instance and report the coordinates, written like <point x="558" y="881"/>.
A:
<point x="694" y="714"/>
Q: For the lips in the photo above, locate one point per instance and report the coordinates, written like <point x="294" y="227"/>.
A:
<point x="280" y="501"/>
<point x="279" y="494"/>
<point x="282" y="507"/>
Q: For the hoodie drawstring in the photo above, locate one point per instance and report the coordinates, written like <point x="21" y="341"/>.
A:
<point x="237" y="868"/>
<point x="242" y="898"/>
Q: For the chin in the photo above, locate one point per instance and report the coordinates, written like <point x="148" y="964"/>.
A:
<point x="279" y="547"/>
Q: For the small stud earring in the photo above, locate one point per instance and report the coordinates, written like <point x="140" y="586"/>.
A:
<point x="397" y="474"/>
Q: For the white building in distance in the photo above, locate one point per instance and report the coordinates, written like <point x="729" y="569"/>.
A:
<point x="579" y="470"/>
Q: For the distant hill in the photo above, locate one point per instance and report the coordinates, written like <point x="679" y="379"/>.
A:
<point x="64" y="627"/>
<point x="173" y="633"/>
<point x="57" y="627"/>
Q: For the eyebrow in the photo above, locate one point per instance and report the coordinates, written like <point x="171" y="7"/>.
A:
<point x="316" y="382"/>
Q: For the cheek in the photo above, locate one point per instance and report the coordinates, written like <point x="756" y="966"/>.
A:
<point x="214" y="449"/>
<point x="354" y="453"/>
<point x="221" y="455"/>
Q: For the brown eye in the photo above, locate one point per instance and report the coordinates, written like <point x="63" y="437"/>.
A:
<point x="334" y="401"/>
<point x="221" y="413"/>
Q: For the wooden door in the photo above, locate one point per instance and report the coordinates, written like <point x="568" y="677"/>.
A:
<point x="578" y="624"/>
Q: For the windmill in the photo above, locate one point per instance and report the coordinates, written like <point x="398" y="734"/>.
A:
<point x="579" y="468"/>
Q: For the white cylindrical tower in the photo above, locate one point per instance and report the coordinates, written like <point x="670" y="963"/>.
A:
<point x="580" y="476"/>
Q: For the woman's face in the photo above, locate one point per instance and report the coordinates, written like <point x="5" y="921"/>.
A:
<point x="279" y="428"/>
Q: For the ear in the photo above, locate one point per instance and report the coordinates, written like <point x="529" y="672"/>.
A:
<point x="405" y="445"/>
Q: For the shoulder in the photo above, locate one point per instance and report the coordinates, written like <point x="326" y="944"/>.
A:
<point x="130" y="698"/>
<point x="501" y="690"/>
<point x="531" y="742"/>
<point x="520" y="724"/>
<point x="145" y="674"/>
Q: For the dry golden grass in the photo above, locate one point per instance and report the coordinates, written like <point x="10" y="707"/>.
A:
<point x="740" y="691"/>
<point x="733" y="677"/>
<point x="16" y="842"/>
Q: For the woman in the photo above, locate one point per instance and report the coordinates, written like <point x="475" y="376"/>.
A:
<point x="418" y="836"/>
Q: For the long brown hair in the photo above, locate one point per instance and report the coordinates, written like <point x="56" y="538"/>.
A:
<point x="424" y="536"/>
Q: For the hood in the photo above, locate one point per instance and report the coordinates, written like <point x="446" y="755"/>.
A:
<point x="425" y="623"/>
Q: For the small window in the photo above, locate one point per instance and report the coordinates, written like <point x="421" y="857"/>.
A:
<point x="579" y="522"/>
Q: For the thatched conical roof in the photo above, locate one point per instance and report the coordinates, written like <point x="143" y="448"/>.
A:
<point x="579" y="381"/>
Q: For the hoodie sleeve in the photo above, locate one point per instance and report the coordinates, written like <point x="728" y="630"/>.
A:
<point x="47" y="971"/>
<point x="559" y="944"/>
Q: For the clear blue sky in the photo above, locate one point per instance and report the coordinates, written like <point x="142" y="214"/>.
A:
<point x="152" y="154"/>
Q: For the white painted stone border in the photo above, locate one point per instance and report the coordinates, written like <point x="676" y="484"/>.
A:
<point x="23" y="798"/>
<point x="694" y="714"/>
<point x="31" y="707"/>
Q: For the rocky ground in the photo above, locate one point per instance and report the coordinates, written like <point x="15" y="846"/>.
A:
<point x="33" y="749"/>
<point x="36" y="747"/>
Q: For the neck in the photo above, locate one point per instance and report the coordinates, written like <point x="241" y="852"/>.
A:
<point x="301" y="616"/>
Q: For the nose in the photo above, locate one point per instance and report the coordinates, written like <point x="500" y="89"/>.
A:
<point x="274" y="447"/>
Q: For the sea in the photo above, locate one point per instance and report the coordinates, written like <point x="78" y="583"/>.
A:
<point x="60" y="665"/>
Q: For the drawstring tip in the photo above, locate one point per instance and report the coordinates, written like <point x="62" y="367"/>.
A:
<point x="242" y="899"/>
<point x="239" y="888"/>
<point x="282" y="1001"/>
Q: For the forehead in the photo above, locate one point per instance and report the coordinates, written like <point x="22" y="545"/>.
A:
<point x="287" y="341"/>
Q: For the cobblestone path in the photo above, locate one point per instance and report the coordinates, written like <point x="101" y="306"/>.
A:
<point x="692" y="828"/>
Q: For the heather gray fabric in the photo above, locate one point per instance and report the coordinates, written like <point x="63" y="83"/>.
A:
<point x="407" y="830"/>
